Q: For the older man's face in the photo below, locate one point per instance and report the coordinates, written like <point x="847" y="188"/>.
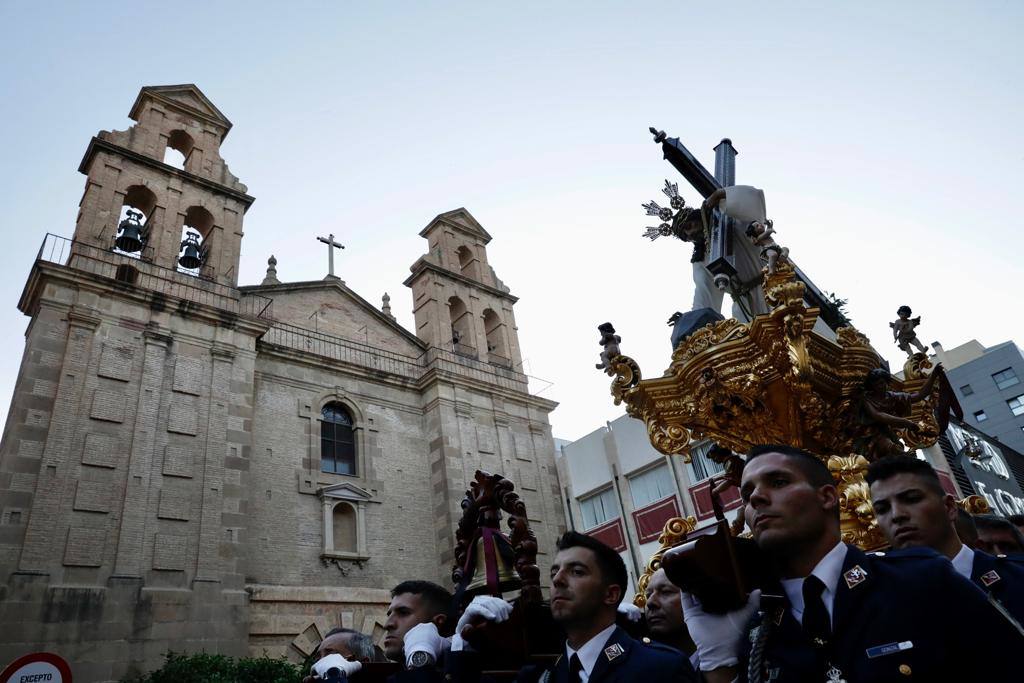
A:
<point x="338" y="644"/>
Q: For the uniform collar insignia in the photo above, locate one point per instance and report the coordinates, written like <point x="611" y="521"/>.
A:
<point x="613" y="651"/>
<point x="990" y="577"/>
<point x="855" y="576"/>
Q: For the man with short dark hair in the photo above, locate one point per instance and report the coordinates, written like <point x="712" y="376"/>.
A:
<point x="414" y="603"/>
<point x="1017" y="521"/>
<point x="997" y="536"/>
<point x="914" y="510"/>
<point x="836" y="613"/>
<point x="588" y="580"/>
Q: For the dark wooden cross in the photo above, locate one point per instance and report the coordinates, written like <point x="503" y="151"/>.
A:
<point x="721" y="260"/>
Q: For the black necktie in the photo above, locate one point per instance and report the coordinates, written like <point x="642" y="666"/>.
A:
<point x="816" y="622"/>
<point x="575" y="667"/>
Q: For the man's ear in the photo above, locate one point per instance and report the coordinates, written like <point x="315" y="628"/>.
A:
<point x="613" y="594"/>
<point x="829" y="496"/>
<point x="440" y="620"/>
<point x="951" y="508"/>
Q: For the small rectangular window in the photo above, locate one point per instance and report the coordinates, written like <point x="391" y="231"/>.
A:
<point x="599" y="508"/>
<point x="1016" y="405"/>
<point x="966" y="390"/>
<point x="980" y="416"/>
<point x="1005" y="378"/>
<point x="651" y="485"/>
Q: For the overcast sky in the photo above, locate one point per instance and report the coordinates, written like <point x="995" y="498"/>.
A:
<point x="887" y="137"/>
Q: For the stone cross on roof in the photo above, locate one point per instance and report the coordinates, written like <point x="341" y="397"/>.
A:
<point x="331" y="246"/>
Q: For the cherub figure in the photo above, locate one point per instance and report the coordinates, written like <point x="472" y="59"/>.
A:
<point x="903" y="331"/>
<point x="760" y="235"/>
<point x="733" y="465"/>
<point x="610" y="341"/>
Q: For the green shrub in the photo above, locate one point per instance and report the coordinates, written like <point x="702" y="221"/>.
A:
<point x="207" y="668"/>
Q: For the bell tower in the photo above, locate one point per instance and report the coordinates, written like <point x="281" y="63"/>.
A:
<point x="186" y="207"/>
<point x="459" y="303"/>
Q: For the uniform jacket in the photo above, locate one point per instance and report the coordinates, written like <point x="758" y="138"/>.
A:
<point x="1001" y="576"/>
<point x="898" y="616"/>
<point x="637" y="663"/>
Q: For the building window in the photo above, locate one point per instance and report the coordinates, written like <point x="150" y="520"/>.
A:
<point x="337" y="440"/>
<point x="1016" y="405"/>
<point x="980" y="416"/>
<point x="702" y="467"/>
<point x="599" y="508"/>
<point x="1005" y="378"/>
<point x="651" y="485"/>
<point x="966" y="390"/>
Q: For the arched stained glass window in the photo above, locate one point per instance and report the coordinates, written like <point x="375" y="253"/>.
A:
<point x="337" y="440"/>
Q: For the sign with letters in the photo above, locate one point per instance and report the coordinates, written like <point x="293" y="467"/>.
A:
<point x="984" y="463"/>
<point x="38" y="667"/>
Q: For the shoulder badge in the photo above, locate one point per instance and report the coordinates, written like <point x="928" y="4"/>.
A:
<point x="990" y="577"/>
<point x="613" y="651"/>
<point x="855" y="576"/>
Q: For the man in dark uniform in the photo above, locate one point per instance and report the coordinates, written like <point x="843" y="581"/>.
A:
<point x="998" y="536"/>
<point x="588" y="580"/>
<point x="665" y="614"/>
<point x="913" y="510"/>
<point x="837" y="613"/>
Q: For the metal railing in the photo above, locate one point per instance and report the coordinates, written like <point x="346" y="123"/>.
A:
<point x="132" y="271"/>
<point x="344" y="350"/>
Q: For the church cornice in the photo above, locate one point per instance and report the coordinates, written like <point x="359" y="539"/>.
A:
<point x="99" y="144"/>
<point x="423" y="265"/>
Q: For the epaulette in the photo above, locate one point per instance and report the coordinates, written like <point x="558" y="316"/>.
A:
<point x="916" y="553"/>
<point x="655" y="645"/>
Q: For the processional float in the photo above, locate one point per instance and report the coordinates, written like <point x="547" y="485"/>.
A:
<point x="787" y="368"/>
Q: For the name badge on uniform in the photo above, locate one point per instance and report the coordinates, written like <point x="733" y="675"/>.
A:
<point x="989" y="577"/>
<point x="855" y="576"/>
<point x="613" y="651"/>
<point x="882" y="650"/>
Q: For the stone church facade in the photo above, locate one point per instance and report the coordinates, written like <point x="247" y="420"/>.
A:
<point x="192" y="464"/>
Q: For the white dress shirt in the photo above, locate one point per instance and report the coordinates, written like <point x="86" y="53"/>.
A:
<point x="828" y="571"/>
<point x="963" y="563"/>
<point x="589" y="652"/>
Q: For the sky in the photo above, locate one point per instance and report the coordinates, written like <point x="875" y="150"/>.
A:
<point x="887" y="138"/>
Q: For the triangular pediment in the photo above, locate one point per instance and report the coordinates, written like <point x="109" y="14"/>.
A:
<point x="344" y="491"/>
<point x="329" y="307"/>
<point x="460" y="219"/>
<point x="186" y="96"/>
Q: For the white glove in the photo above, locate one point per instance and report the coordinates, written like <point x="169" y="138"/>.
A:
<point x="425" y="638"/>
<point x="485" y="606"/>
<point x="630" y="611"/>
<point x="336" y="661"/>
<point x="718" y="636"/>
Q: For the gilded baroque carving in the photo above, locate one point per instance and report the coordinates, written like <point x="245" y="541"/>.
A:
<point x="672" y="535"/>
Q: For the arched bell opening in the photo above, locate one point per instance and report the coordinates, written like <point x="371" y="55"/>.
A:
<point x="497" y="349"/>
<point x="194" y="248"/>
<point x="463" y="341"/>
<point x="179" y="147"/>
<point x="132" y="232"/>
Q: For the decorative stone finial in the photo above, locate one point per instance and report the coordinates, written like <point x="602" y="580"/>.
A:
<point x="386" y="306"/>
<point x="271" y="278"/>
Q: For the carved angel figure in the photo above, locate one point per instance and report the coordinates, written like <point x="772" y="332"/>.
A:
<point x="903" y="331"/>
<point x="760" y="235"/>
<point x="610" y="341"/>
<point x="882" y="412"/>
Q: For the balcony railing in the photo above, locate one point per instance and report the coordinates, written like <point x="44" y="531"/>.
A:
<point x="344" y="350"/>
<point x="132" y="271"/>
<point x="500" y="361"/>
<point x="464" y="350"/>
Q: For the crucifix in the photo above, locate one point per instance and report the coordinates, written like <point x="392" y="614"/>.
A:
<point x="331" y="246"/>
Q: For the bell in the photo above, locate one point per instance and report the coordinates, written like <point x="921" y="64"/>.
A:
<point x="502" y="573"/>
<point x="190" y="258"/>
<point x="129" y="234"/>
